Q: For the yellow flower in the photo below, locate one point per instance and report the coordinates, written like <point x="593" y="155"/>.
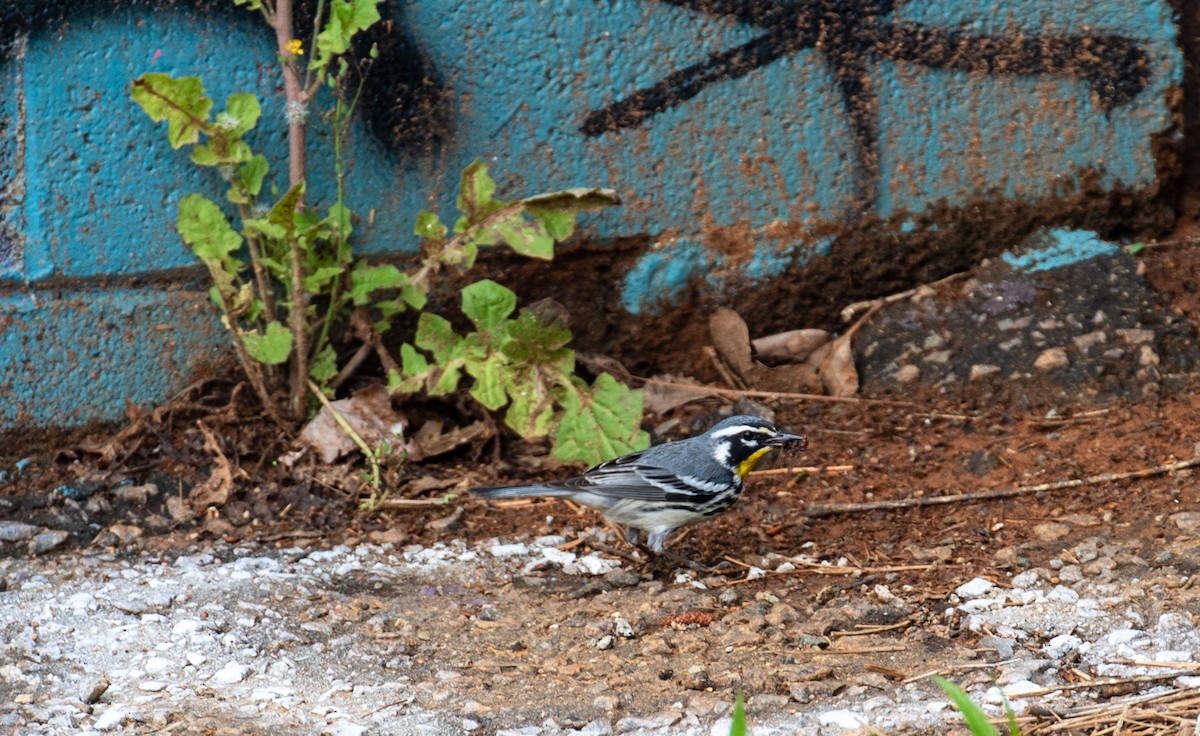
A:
<point x="295" y="47"/>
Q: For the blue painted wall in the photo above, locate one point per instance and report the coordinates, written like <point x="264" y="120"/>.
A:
<point x="715" y="127"/>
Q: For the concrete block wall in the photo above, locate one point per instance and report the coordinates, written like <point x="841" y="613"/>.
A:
<point x="748" y="138"/>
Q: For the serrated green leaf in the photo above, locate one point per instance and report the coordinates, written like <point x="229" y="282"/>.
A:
<point x="366" y="280"/>
<point x="320" y="276"/>
<point x="272" y="347"/>
<point x="252" y="173"/>
<point x="435" y="335"/>
<point x="181" y="102"/>
<point x="429" y="227"/>
<point x="977" y="721"/>
<point x="324" y="366"/>
<point x="527" y="237"/>
<point x="203" y="226"/>
<point x="266" y="228"/>
<point x="559" y="224"/>
<point x="339" y="219"/>
<point x="241" y="114"/>
<point x="475" y="192"/>
<point x="412" y="362"/>
<point x="203" y="155"/>
<point x="531" y="408"/>
<point x="487" y="304"/>
<point x="283" y="214"/>
<point x="488" y="388"/>
<point x="414" y="296"/>
<point x="346" y="19"/>
<point x="599" y="422"/>
<point x="533" y="341"/>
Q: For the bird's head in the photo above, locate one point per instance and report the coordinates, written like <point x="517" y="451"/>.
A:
<point x="739" y="442"/>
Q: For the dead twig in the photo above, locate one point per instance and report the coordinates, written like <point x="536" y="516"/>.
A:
<point x="411" y="503"/>
<point x="1105" y="682"/>
<point x="849" y="312"/>
<point x="796" y="470"/>
<point x="905" y="503"/>
<point x="779" y="395"/>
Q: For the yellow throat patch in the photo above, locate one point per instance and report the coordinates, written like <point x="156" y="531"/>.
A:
<point x="745" y="466"/>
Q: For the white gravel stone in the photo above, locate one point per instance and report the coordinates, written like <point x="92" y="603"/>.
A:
<point x="1059" y="646"/>
<point x="111" y="718"/>
<point x="1123" y="636"/>
<point x="509" y="550"/>
<point x="1020" y="688"/>
<point x="344" y="728"/>
<point x="232" y="672"/>
<point x="842" y="718"/>
<point x="158" y="665"/>
<point x="80" y="602"/>
<point x="974" y="588"/>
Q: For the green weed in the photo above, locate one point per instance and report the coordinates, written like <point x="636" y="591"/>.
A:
<point x="289" y="286"/>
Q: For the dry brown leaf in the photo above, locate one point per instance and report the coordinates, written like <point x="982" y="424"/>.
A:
<point x="213" y="491"/>
<point x="663" y="393"/>
<point x="430" y="440"/>
<point x="731" y="338"/>
<point x="838" y="374"/>
<point x="788" y="378"/>
<point x="368" y="411"/>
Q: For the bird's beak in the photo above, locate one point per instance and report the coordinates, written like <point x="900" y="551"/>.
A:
<point x="794" y="441"/>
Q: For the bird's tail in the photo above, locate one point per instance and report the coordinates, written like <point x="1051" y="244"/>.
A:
<point x="519" y="491"/>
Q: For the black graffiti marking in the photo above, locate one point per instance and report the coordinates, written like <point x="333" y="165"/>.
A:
<point x="852" y="34"/>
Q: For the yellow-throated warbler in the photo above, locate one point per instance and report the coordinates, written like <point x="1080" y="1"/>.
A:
<point x="671" y="485"/>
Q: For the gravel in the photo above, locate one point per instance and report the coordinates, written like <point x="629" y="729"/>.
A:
<point x="98" y="642"/>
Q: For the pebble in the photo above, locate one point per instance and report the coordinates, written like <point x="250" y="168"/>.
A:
<point x="137" y="495"/>
<point x="232" y="672"/>
<point x="110" y="719"/>
<point x="1187" y="522"/>
<point x="1051" y="359"/>
<point x="1020" y="688"/>
<point x="980" y="371"/>
<point x="841" y="718"/>
<point x="15" y="531"/>
<point x="907" y="373"/>
<point x="975" y="588"/>
<point x="344" y="728"/>
<point x="1059" y="646"/>
<point x="605" y="642"/>
<point x="607" y="702"/>
<point x="45" y="541"/>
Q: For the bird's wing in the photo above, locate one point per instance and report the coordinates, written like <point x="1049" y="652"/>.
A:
<point x="627" y="477"/>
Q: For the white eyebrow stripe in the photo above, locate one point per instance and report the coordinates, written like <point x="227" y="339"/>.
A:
<point x="739" y="428"/>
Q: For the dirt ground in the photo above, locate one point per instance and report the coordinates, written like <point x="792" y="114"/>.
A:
<point x="868" y="621"/>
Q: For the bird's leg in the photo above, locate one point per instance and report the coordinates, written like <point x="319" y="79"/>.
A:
<point x="656" y="544"/>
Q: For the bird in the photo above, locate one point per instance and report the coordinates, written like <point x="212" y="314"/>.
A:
<point x="667" y="486"/>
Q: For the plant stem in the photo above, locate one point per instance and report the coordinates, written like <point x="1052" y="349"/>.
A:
<point x="260" y="276"/>
<point x="296" y="111"/>
<point x="297" y="98"/>
<point x="250" y="367"/>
